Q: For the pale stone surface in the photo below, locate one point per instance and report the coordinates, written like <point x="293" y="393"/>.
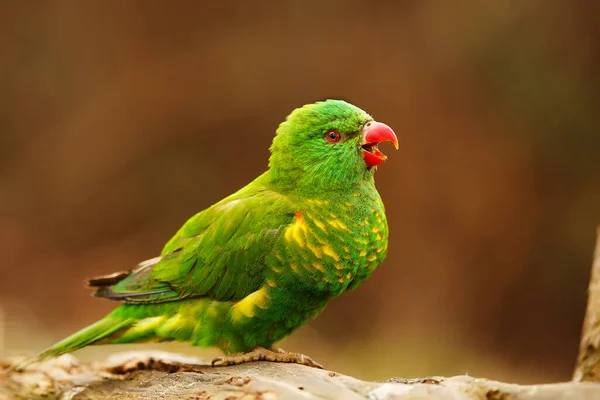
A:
<point x="588" y="362"/>
<point x="158" y="375"/>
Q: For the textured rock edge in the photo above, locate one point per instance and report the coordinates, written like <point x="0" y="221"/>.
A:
<point x="160" y="375"/>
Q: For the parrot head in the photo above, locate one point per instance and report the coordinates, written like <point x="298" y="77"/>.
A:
<point x="328" y="145"/>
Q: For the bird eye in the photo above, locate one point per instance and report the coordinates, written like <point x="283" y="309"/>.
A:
<point x="333" y="136"/>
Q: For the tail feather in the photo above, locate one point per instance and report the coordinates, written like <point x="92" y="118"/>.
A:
<point x="94" y="333"/>
<point x="102" y="329"/>
<point x="134" y="324"/>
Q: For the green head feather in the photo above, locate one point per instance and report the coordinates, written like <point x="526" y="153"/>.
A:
<point x="302" y="158"/>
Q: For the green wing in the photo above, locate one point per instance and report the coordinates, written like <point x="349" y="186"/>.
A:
<point x="218" y="253"/>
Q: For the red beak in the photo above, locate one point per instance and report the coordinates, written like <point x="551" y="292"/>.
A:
<point x="374" y="133"/>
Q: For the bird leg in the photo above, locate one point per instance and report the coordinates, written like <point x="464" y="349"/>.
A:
<point x="261" y="354"/>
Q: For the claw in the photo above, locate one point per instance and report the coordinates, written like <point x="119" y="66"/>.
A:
<point x="306" y="360"/>
<point x="217" y="360"/>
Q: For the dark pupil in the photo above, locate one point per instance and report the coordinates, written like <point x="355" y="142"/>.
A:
<point x="333" y="135"/>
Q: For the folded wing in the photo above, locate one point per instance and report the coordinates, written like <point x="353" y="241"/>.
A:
<point x="219" y="253"/>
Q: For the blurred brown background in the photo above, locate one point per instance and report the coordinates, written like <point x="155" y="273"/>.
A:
<point x="118" y="120"/>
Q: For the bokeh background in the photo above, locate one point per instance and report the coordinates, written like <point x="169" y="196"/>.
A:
<point x="118" y="120"/>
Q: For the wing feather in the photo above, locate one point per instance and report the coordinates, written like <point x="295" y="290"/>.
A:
<point x="218" y="253"/>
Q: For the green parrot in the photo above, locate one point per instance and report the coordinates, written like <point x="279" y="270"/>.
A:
<point x="249" y="270"/>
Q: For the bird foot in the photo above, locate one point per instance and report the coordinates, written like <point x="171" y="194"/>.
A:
<point x="262" y="354"/>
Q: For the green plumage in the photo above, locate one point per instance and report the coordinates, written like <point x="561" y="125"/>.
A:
<point x="255" y="266"/>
